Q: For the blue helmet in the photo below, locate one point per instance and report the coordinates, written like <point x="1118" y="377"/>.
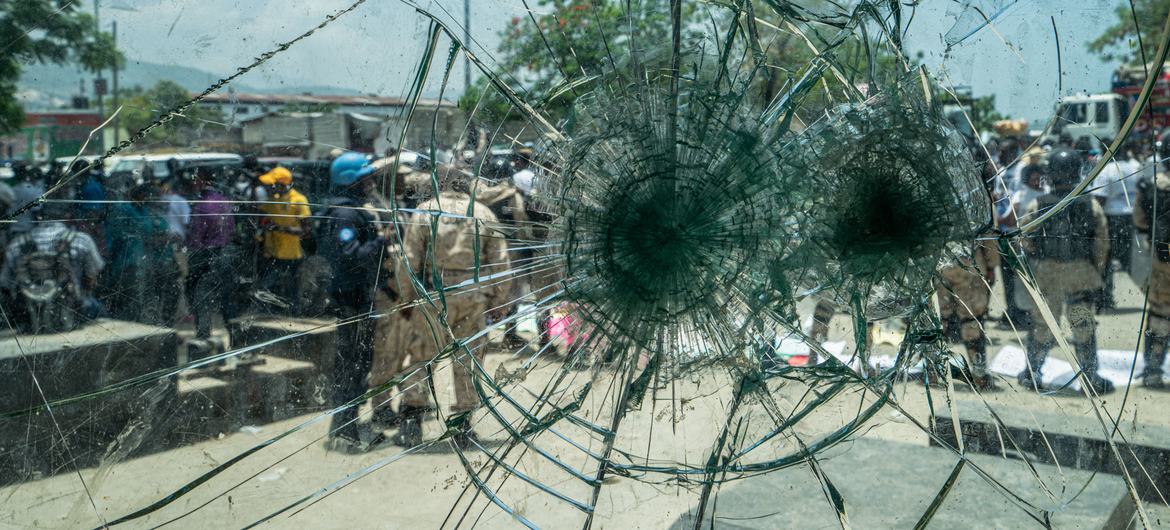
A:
<point x="349" y="168"/>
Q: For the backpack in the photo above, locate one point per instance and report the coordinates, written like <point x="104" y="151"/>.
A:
<point x="1160" y="220"/>
<point x="44" y="281"/>
<point x="1068" y="235"/>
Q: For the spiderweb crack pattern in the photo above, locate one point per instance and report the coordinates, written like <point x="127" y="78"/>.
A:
<point x="699" y="190"/>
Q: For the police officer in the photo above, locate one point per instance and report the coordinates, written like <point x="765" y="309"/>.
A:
<point x="1068" y="253"/>
<point x="1151" y="219"/>
<point x="964" y="290"/>
<point x="351" y="240"/>
<point x="448" y="252"/>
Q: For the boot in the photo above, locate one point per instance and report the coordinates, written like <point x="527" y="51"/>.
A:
<point x="977" y="365"/>
<point x="1154" y="355"/>
<point x="410" y="427"/>
<point x="466" y="439"/>
<point x="1030" y="377"/>
<point x="1087" y="355"/>
<point x="1099" y="384"/>
<point x="384" y="417"/>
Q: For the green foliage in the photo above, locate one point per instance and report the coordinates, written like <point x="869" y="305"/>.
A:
<point x="141" y="107"/>
<point x="1120" y="42"/>
<point x="62" y="34"/>
<point x="983" y="113"/>
<point x="586" y="38"/>
<point x="100" y="53"/>
<point x="576" y="39"/>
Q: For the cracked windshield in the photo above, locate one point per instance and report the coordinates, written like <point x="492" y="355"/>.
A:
<point x="584" y="264"/>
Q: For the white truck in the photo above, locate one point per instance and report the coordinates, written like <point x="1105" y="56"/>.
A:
<point x="1099" y="116"/>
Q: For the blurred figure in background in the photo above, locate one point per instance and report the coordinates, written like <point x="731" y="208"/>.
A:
<point x="28" y="188"/>
<point x="49" y="274"/>
<point x="456" y="251"/>
<point x="1116" y="190"/>
<point x="352" y="240"/>
<point x="1067" y="254"/>
<point x="210" y="259"/>
<point x="7" y="204"/>
<point x="1151" y="219"/>
<point x="964" y="293"/>
<point x="91" y="214"/>
<point x="177" y="212"/>
<point x="1017" y="302"/>
<point x="524" y="178"/>
<point x="141" y="260"/>
<point x="248" y="194"/>
<point x="284" y="222"/>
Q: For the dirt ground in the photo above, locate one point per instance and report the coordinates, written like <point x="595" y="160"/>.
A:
<point x="390" y="488"/>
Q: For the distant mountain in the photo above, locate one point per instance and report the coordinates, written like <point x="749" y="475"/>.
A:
<point x="43" y="86"/>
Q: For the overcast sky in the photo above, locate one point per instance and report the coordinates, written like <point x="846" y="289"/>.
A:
<point x="376" y="48"/>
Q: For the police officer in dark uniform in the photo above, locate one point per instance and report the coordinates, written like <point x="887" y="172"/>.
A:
<point x="1068" y="253"/>
<point x="1151" y="219"/>
<point x="352" y="241"/>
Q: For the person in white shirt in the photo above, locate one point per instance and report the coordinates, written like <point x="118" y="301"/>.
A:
<point x="1033" y="186"/>
<point x="177" y="212"/>
<point x="1115" y="188"/>
<point x="524" y="177"/>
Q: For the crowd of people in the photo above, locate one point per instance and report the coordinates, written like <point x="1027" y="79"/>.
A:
<point x="214" y="241"/>
<point x="155" y="251"/>
<point x="1072" y="245"/>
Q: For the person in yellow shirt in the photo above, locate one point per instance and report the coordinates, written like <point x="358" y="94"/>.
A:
<point x="284" y="218"/>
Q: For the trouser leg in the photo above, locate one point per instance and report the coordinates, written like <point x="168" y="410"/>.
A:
<point x="197" y="269"/>
<point x="822" y="315"/>
<point x="129" y="289"/>
<point x="1041" y="340"/>
<point x="354" y="352"/>
<point x="1084" y="327"/>
<point x="171" y="290"/>
<point x="1122" y="243"/>
<point x="1157" y="337"/>
<point x="1011" y="308"/>
<point x="290" y="288"/>
<point x="1083" y="321"/>
<point x="209" y="276"/>
<point x="467" y="363"/>
<point x="975" y="343"/>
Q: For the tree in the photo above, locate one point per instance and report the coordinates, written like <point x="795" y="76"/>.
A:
<point x="44" y="31"/>
<point x="141" y="107"/>
<point x="586" y="37"/>
<point x="575" y="39"/>
<point x="983" y="113"/>
<point x="100" y="54"/>
<point x="1119" y="41"/>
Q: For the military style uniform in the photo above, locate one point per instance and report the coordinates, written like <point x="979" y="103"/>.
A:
<point x="963" y="296"/>
<point x="446" y="256"/>
<point x="1067" y="254"/>
<point x="1147" y="220"/>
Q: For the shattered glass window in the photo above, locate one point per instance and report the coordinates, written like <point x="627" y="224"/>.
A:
<point x="584" y="263"/>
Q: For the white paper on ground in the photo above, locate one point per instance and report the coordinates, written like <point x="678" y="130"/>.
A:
<point x="1114" y="365"/>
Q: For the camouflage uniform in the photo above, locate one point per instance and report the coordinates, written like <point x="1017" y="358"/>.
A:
<point x="1158" y="288"/>
<point x="1067" y="254"/>
<point x="507" y="203"/>
<point x="963" y="296"/>
<point x="453" y="252"/>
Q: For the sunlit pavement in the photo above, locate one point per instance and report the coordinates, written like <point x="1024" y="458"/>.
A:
<point x="420" y="489"/>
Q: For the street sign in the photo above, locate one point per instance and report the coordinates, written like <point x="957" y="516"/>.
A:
<point x="99" y="86"/>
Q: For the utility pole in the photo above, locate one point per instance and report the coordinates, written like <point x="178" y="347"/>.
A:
<point x="99" y="84"/>
<point x="466" y="45"/>
<point x="117" y="128"/>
